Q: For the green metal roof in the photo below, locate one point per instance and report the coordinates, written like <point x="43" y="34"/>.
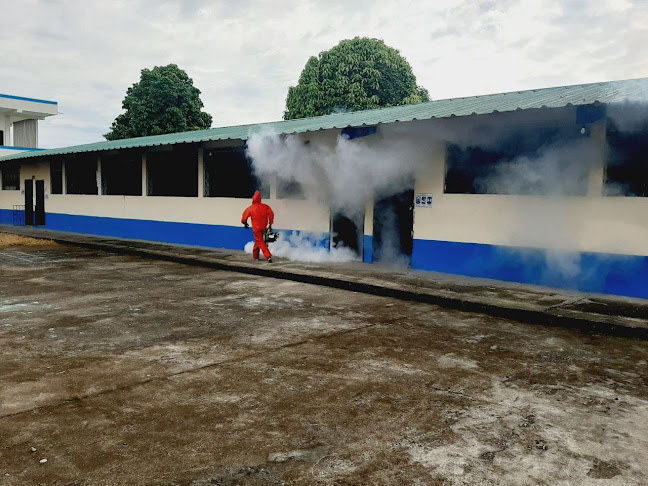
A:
<point x="582" y="94"/>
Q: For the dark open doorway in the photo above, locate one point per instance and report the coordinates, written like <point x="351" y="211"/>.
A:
<point x="393" y="223"/>
<point x="39" y="214"/>
<point x="29" y="202"/>
<point x="347" y="231"/>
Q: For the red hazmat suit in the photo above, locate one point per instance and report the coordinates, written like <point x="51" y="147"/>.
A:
<point x="262" y="217"/>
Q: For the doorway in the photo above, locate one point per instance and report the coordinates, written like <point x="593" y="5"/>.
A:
<point x="34" y="213"/>
<point x="39" y="214"/>
<point x="347" y="231"/>
<point x="29" y="202"/>
<point x="393" y="225"/>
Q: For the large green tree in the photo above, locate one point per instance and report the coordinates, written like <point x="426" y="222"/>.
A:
<point x="357" y="74"/>
<point x="164" y="101"/>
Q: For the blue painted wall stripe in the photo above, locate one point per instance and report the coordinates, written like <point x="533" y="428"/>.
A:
<point x="588" y="272"/>
<point x="207" y="235"/>
<point x="585" y="271"/>
<point x="213" y="236"/>
<point x="6" y="216"/>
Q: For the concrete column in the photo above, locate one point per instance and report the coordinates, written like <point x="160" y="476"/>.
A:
<point x="144" y="175"/>
<point x="596" y="181"/>
<point x="201" y="173"/>
<point x="368" y="217"/>
<point x="99" y="181"/>
<point x="273" y="187"/>
<point x="367" y="239"/>
<point x="63" y="178"/>
<point x="434" y="180"/>
<point x="5" y="126"/>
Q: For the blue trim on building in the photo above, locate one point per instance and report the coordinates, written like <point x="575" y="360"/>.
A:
<point x="588" y="272"/>
<point x="207" y="235"/>
<point x="367" y="245"/>
<point x="25" y="149"/>
<point x="213" y="236"/>
<point x="22" y="98"/>
<point x="585" y="271"/>
<point x="6" y="216"/>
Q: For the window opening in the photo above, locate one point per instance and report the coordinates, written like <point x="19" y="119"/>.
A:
<point x="81" y="174"/>
<point x="10" y="177"/>
<point x="229" y="173"/>
<point x="121" y="173"/>
<point x="520" y="161"/>
<point x="173" y="172"/>
<point x="358" y="132"/>
<point x="627" y="154"/>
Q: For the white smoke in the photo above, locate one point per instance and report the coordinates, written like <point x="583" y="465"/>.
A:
<point x="549" y="182"/>
<point x="561" y="169"/>
<point x="302" y="247"/>
<point x="342" y="174"/>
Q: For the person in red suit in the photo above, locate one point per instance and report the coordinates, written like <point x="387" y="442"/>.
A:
<point x="262" y="218"/>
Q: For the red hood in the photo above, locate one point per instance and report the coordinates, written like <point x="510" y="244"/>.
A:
<point x="256" y="199"/>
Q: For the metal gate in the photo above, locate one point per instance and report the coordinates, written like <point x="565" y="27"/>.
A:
<point x="19" y="215"/>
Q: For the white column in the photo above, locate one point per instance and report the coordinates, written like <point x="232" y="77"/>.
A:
<point x="201" y="173"/>
<point x="5" y="126"/>
<point x="368" y="217"/>
<point x="99" y="184"/>
<point x="144" y="181"/>
<point x="273" y="186"/>
<point x="596" y="180"/>
<point x="63" y="178"/>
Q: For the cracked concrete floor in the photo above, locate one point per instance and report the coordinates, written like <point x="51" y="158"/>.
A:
<point x="120" y="370"/>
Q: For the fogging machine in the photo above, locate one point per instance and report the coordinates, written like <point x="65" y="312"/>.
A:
<point x="270" y="236"/>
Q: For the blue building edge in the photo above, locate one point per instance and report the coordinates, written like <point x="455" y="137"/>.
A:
<point x="606" y="273"/>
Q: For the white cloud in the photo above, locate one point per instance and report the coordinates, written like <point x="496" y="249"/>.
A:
<point x="243" y="55"/>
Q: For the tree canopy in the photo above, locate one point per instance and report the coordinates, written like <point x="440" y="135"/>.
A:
<point x="164" y="101"/>
<point x="357" y="74"/>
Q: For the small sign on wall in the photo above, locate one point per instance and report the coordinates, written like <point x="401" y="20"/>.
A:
<point x="423" y="200"/>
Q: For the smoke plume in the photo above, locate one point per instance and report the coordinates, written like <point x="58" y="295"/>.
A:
<point x="545" y="182"/>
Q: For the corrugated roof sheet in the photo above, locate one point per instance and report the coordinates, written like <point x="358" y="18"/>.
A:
<point x="582" y="94"/>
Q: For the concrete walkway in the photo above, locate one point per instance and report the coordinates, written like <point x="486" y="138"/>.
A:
<point x="593" y="313"/>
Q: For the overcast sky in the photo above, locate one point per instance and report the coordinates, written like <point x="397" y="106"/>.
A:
<point x="244" y="54"/>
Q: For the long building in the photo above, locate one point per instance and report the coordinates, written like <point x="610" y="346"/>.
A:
<point x="545" y="186"/>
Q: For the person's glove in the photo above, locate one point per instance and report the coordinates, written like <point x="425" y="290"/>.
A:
<point x="270" y="227"/>
<point x="246" y="224"/>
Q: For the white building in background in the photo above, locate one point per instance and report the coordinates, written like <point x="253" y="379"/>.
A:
<point x="19" y="118"/>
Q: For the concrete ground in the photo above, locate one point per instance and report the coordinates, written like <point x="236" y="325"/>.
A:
<point x="124" y="370"/>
